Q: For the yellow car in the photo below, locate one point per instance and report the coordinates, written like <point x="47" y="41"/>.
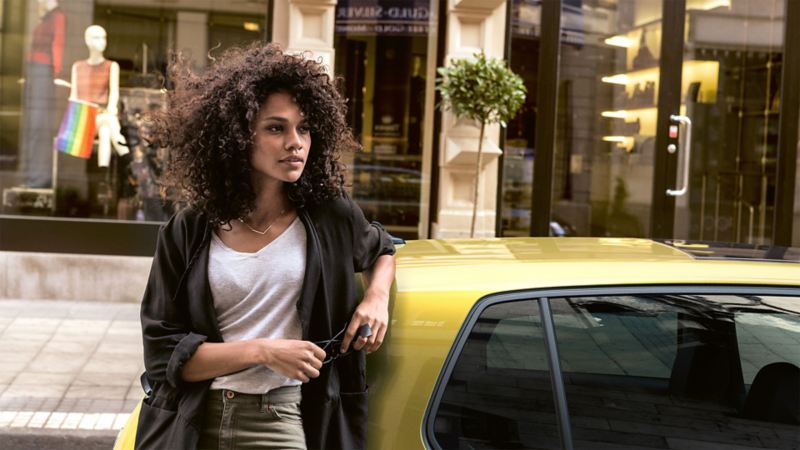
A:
<point x="587" y="343"/>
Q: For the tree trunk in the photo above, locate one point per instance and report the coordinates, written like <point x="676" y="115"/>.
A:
<point x="477" y="182"/>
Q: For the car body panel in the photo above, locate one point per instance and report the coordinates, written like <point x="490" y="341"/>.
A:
<point x="439" y="282"/>
<point x="478" y="267"/>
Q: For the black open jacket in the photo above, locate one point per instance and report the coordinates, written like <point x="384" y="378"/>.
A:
<point x="178" y="315"/>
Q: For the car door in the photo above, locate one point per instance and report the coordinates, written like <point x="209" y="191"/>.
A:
<point x="678" y="367"/>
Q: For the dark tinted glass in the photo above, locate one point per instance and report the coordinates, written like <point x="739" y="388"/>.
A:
<point x="641" y="372"/>
<point x="679" y="371"/>
<point x="499" y="394"/>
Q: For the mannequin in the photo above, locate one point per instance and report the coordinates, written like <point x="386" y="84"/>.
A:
<point x="96" y="80"/>
<point x="43" y="65"/>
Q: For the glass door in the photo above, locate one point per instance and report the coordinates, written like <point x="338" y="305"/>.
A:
<point x="667" y="119"/>
<point x="730" y="91"/>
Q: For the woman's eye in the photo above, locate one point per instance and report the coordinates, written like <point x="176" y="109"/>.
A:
<point x="304" y="129"/>
<point x="274" y="128"/>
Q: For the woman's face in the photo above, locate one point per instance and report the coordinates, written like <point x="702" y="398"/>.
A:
<point x="281" y="142"/>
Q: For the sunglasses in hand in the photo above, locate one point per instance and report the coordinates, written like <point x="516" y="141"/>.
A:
<point x="333" y="346"/>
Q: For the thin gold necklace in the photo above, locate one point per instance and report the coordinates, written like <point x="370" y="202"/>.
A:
<point x="283" y="211"/>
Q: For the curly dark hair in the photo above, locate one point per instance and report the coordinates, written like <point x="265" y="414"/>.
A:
<point x="208" y="128"/>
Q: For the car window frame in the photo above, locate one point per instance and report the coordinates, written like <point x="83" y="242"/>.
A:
<point x="543" y="295"/>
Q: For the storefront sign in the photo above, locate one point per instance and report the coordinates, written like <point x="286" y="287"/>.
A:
<point x="383" y="17"/>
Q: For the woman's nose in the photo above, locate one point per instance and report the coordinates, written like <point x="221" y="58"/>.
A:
<point x="293" y="140"/>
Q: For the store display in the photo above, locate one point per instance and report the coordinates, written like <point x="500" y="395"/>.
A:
<point x="139" y="193"/>
<point x="96" y="80"/>
<point x="43" y="65"/>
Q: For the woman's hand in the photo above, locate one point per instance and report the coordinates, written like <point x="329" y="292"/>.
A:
<point x="300" y="360"/>
<point x="373" y="311"/>
<point x="374" y="307"/>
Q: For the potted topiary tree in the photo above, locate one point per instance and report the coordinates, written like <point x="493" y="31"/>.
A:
<point x="484" y="90"/>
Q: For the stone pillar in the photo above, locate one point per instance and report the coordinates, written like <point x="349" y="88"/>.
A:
<point x="473" y="26"/>
<point x="305" y="26"/>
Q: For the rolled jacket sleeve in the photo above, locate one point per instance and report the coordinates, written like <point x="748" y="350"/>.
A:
<point x="370" y="240"/>
<point x="167" y="337"/>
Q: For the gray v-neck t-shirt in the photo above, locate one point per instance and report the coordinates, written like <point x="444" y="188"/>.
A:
<point x="255" y="296"/>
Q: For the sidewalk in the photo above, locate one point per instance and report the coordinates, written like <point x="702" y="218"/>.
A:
<point x="69" y="372"/>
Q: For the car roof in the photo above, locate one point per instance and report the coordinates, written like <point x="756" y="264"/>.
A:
<point x="507" y="264"/>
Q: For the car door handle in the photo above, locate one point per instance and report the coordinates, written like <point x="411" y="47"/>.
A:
<point x="687" y="145"/>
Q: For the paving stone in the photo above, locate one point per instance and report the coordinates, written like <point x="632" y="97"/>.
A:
<point x="97" y="392"/>
<point x="34" y="391"/>
<point x="22" y="418"/>
<point x="129" y="405"/>
<point x="128" y="348"/>
<point x="56" y="362"/>
<point x="106" y="405"/>
<point x="86" y="378"/>
<point x="39" y="419"/>
<point x="27" y="336"/>
<point x="116" y="366"/>
<point x="50" y="403"/>
<point x="16" y="357"/>
<point x="14" y="366"/>
<point x="125" y="327"/>
<point x="135" y="392"/>
<point x="55" y="420"/>
<point x="43" y="378"/>
<point x="82" y="405"/>
<point x="93" y="327"/>
<point x="89" y="338"/>
<point x="35" y="323"/>
<point x="66" y="404"/>
<point x="690" y="444"/>
<point x="6" y="417"/>
<point x="32" y="404"/>
<point x="20" y="345"/>
<point x="69" y="346"/>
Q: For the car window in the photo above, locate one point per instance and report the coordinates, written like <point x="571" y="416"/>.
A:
<point x="640" y="371"/>
<point x="499" y="395"/>
<point x="768" y="337"/>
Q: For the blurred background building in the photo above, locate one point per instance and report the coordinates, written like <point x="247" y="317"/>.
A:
<point x="593" y="151"/>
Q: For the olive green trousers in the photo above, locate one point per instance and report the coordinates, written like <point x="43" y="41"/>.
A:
<point x="252" y="421"/>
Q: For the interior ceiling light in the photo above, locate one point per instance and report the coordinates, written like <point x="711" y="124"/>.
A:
<point x="617" y="79"/>
<point x="621" y="114"/>
<point x="619" y="41"/>
<point x="252" y="26"/>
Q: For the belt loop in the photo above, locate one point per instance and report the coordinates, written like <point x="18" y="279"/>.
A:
<point x="264" y="402"/>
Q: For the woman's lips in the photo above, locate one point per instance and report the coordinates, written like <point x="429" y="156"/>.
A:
<point x="294" y="162"/>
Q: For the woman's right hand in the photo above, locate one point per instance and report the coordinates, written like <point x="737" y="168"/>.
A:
<point x="300" y="360"/>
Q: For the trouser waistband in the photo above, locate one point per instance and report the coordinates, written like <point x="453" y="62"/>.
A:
<point x="283" y="394"/>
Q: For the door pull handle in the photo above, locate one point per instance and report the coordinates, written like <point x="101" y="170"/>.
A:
<point x="687" y="144"/>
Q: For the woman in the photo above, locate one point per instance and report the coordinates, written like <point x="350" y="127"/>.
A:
<point x="256" y="276"/>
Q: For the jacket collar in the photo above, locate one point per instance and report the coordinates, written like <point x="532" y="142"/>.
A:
<point x="197" y="285"/>
<point x="313" y="272"/>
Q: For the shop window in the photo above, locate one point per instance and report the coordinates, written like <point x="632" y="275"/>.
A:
<point x="382" y="55"/>
<point x="67" y="59"/>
